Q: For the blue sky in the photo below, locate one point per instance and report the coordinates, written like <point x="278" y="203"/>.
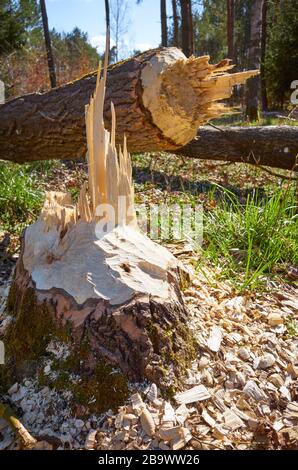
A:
<point x="89" y="15"/>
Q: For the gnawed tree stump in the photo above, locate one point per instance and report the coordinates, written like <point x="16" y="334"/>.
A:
<point x="107" y="287"/>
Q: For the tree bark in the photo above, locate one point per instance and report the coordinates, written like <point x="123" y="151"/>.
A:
<point x="175" y="24"/>
<point x="274" y="146"/>
<point x="107" y="9"/>
<point x="192" y="34"/>
<point x="164" y="23"/>
<point x="254" y="60"/>
<point x="47" y="37"/>
<point x="157" y="99"/>
<point x="230" y="28"/>
<point x="263" y="56"/>
<point x="187" y="30"/>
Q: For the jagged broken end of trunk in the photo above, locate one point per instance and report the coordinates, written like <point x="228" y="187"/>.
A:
<point x="182" y="93"/>
<point x="89" y="277"/>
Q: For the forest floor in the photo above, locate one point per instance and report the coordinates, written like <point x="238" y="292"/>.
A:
<point x="243" y="299"/>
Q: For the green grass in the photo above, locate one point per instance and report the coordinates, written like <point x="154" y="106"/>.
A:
<point x="21" y="194"/>
<point x="252" y="240"/>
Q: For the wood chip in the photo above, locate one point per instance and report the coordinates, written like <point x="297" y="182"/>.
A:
<point x="292" y="411"/>
<point x="207" y="378"/>
<point x="252" y="390"/>
<point x="119" y="420"/>
<point x="152" y="393"/>
<point x="275" y="319"/>
<point x="198" y="393"/>
<point x="147" y="422"/>
<point x="182" y="414"/>
<point x="293" y="370"/>
<point x="219" y="432"/>
<point x="244" y="354"/>
<point x="266" y="361"/>
<point x="208" y="419"/>
<point x="215" y="339"/>
<point x="169" y="415"/>
<point x="169" y="434"/>
<point x="232" y="421"/>
<point x="291" y="303"/>
<point x="277" y="380"/>
<point x="285" y="392"/>
<point x="203" y="362"/>
<point x="91" y="440"/>
<point x="180" y="442"/>
<point x="137" y="402"/>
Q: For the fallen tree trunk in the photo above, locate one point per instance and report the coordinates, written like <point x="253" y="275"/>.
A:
<point x="154" y="113"/>
<point x="274" y="146"/>
<point x="161" y="98"/>
<point x="88" y="277"/>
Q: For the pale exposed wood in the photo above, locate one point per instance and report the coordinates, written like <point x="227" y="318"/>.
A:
<point x="179" y="113"/>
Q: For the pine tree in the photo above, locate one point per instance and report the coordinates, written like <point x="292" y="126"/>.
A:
<point x="175" y="23"/>
<point x="281" y="62"/>
<point x="164" y="23"/>
<point x="187" y="27"/>
<point x="230" y="28"/>
<point x="15" y="19"/>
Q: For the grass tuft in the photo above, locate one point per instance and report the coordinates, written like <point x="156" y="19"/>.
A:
<point x="21" y="193"/>
<point x="251" y="240"/>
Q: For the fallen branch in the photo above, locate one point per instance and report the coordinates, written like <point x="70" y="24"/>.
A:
<point x="27" y="441"/>
<point x="274" y="146"/>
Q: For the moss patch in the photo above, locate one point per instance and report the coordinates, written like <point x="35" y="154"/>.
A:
<point x="29" y="335"/>
<point x="106" y="388"/>
<point x="33" y="328"/>
<point x="175" y="345"/>
<point x="100" y="390"/>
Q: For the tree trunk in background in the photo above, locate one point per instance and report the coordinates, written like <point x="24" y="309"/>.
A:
<point x="187" y="29"/>
<point x="263" y="56"/>
<point x="175" y="24"/>
<point x="254" y="60"/>
<point x="230" y="28"/>
<point x="47" y="38"/>
<point x="108" y="25"/>
<point x="192" y="35"/>
<point x="107" y="7"/>
<point x="164" y="23"/>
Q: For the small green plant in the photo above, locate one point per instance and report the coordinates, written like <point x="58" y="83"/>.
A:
<point x="249" y="240"/>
